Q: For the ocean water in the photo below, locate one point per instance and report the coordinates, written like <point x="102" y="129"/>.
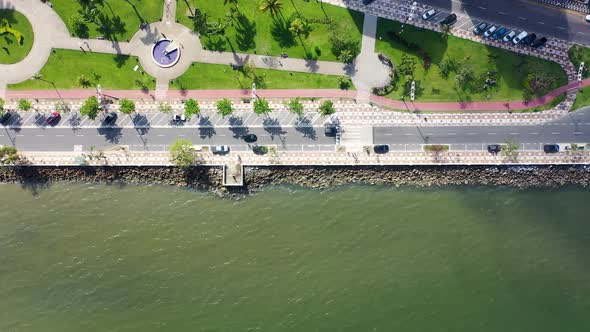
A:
<point x="355" y="258"/>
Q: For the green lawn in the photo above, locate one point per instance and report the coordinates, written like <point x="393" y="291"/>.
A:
<point x="65" y="66"/>
<point x="511" y="68"/>
<point x="116" y="20"/>
<point x="202" y="76"/>
<point x="578" y="54"/>
<point x="250" y="31"/>
<point x="582" y="98"/>
<point x="10" y="50"/>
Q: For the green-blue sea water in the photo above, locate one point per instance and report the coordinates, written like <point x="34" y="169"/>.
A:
<point x="355" y="258"/>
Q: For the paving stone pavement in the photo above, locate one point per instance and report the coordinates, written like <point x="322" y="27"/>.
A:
<point x="324" y="158"/>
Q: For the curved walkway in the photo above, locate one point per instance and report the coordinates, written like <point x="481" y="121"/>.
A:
<point x="308" y="93"/>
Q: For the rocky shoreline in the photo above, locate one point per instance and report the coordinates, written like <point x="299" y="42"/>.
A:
<point x="256" y="178"/>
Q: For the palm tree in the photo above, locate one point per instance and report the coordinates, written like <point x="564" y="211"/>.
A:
<point x="445" y="30"/>
<point x="272" y="6"/>
<point x="299" y="27"/>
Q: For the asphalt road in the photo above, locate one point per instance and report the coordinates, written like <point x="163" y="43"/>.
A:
<point x="572" y="128"/>
<point x="158" y="139"/>
<point x="521" y="14"/>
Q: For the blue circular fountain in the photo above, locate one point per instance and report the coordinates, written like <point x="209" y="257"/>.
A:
<point x="165" y="53"/>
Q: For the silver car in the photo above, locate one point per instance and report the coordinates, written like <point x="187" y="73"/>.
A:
<point x="220" y="149"/>
<point x="519" y="38"/>
<point x="509" y="36"/>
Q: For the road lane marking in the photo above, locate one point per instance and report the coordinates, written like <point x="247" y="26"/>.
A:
<point x="480" y="7"/>
<point x="59" y="135"/>
<point x="80" y="135"/>
<point x="577" y="133"/>
<point x="470" y="133"/>
<point x="161" y="135"/>
<point x="513" y="133"/>
<point x="406" y="134"/>
<point x="39" y="135"/>
<point x="562" y="28"/>
<point x="502" y="13"/>
<point x="541" y="22"/>
<point x="452" y="133"/>
<point x="534" y="133"/>
<point x="388" y="134"/>
<point x="522" y="18"/>
<point x="491" y="133"/>
<point x="555" y="133"/>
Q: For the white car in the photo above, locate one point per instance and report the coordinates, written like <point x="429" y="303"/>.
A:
<point x="428" y="15"/>
<point x="490" y="31"/>
<point x="509" y="36"/>
<point x="518" y="38"/>
<point x="220" y="149"/>
<point x="588" y="18"/>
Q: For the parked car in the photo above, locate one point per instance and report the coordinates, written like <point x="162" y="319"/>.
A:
<point x="110" y="119"/>
<point x="480" y="28"/>
<point x="259" y="150"/>
<point x="449" y="20"/>
<point x="4" y="118"/>
<point x="509" y="36"/>
<point x="528" y="39"/>
<point x="551" y="148"/>
<point x="519" y="38"/>
<point x="499" y="33"/>
<point x="53" y="118"/>
<point x="381" y="149"/>
<point x="539" y="42"/>
<point x="330" y="130"/>
<point x="220" y="149"/>
<point x="494" y="148"/>
<point x="490" y="31"/>
<point x="250" y="138"/>
<point x="367" y="2"/>
<point x="588" y="18"/>
<point x="429" y="14"/>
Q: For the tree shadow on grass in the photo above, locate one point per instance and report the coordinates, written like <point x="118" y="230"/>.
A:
<point x="120" y="60"/>
<point x="215" y="43"/>
<point x="236" y="125"/>
<point x="110" y="27"/>
<point x="281" y="34"/>
<point x="206" y="129"/>
<point x="246" y="31"/>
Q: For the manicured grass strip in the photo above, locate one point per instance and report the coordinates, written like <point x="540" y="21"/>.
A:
<point x="65" y="66"/>
<point x="582" y="99"/>
<point x="10" y="50"/>
<point x="580" y="54"/>
<point x="203" y="76"/>
<point x="512" y="68"/>
<point x="253" y="32"/>
<point x="116" y="20"/>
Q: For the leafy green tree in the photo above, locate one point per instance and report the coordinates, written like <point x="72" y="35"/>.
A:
<point x="182" y="153"/>
<point x="295" y="106"/>
<point x="8" y="155"/>
<point x="127" y="106"/>
<point x="224" y="107"/>
<point x="272" y="6"/>
<point x="298" y="27"/>
<point x="510" y="150"/>
<point x="344" y="47"/>
<point x="261" y="106"/>
<point x="165" y="108"/>
<point x="327" y="108"/>
<point x="464" y="76"/>
<point x="90" y="107"/>
<point x="78" y="26"/>
<point x="24" y="105"/>
<point x="249" y="70"/>
<point x="83" y="81"/>
<point x="191" y="107"/>
<point x="344" y="82"/>
<point x="445" y="29"/>
<point x="1" y="106"/>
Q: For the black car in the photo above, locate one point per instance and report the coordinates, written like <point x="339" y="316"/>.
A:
<point x="4" y="118"/>
<point x="381" y="149"/>
<point x="539" y="42"/>
<point x="367" y="2"/>
<point x="449" y="20"/>
<point x="494" y="148"/>
<point x="528" y="39"/>
<point x="330" y="130"/>
<point x="110" y="119"/>
<point x="480" y="28"/>
<point x="250" y="138"/>
<point x="551" y="148"/>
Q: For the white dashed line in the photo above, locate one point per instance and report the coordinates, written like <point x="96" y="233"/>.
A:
<point x="522" y="18"/>
<point x="502" y="13"/>
<point x="491" y="133"/>
<point x="541" y="22"/>
<point x="452" y="133"/>
<point x="577" y="133"/>
<point x="470" y="133"/>
<point x="562" y="28"/>
<point x="513" y="133"/>
<point x="80" y="135"/>
<point x="59" y="135"/>
<point x="480" y="7"/>
<point x="388" y="134"/>
<point x="39" y="135"/>
<point x="534" y="133"/>
<point x="554" y="133"/>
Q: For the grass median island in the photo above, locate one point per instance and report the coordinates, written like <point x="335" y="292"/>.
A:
<point x="240" y="26"/>
<point x="16" y="36"/>
<point x="112" y="19"/>
<point x="448" y="68"/>
<point x="202" y="76"/>
<point x="69" y="69"/>
<point x="582" y="98"/>
<point x="578" y="54"/>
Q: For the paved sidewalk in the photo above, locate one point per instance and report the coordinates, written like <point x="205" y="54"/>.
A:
<point x="320" y="158"/>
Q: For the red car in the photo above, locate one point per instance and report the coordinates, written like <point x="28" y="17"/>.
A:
<point x="52" y="119"/>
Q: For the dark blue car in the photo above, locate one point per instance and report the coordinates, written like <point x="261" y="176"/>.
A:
<point x="499" y="33"/>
